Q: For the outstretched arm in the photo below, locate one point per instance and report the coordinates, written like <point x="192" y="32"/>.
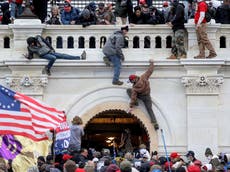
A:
<point x="149" y="71"/>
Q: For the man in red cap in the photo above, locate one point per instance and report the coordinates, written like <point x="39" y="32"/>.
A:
<point x="141" y="90"/>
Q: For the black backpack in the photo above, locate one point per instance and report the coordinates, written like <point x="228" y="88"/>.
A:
<point x="208" y="13"/>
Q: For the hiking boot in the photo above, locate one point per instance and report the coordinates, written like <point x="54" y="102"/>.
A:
<point x="106" y="61"/>
<point x="83" y="55"/>
<point x="210" y="56"/>
<point x="47" y="70"/>
<point x="117" y="82"/>
<point x="184" y="56"/>
<point x="155" y="125"/>
<point x="199" y="57"/>
<point x="172" y="57"/>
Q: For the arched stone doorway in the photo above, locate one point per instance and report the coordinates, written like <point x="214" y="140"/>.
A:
<point x="105" y="128"/>
<point x="114" y="99"/>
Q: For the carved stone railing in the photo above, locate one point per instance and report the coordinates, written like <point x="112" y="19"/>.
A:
<point x="144" y="41"/>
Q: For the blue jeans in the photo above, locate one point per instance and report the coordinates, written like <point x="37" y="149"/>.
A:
<point x="53" y="56"/>
<point x="116" y="61"/>
<point x="15" y="8"/>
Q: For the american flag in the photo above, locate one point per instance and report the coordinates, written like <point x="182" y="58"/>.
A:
<point x="25" y="116"/>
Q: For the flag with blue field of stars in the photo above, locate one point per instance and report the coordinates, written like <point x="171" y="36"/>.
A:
<point x="26" y="116"/>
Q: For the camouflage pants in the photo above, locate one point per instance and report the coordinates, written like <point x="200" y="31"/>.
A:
<point x="178" y="43"/>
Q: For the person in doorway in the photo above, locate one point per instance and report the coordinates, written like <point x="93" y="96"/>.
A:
<point x="76" y="132"/>
<point x="201" y="31"/>
<point x="41" y="47"/>
<point x="141" y="90"/>
<point x="113" y="52"/>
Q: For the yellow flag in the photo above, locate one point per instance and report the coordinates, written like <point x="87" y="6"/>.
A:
<point x="27" y="157"/>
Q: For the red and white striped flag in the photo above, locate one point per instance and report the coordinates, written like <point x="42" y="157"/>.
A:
<point x="25" y="116"/>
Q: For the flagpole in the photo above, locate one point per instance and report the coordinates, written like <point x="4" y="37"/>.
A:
<point x="166" y="153"/>
<point x="53" y="143"/>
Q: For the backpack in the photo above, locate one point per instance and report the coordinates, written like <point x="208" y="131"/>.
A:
<point x="208" y="14"/>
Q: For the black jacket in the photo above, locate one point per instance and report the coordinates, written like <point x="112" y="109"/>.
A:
<point x="223" y="14"/>
<point x="178" y="18"/>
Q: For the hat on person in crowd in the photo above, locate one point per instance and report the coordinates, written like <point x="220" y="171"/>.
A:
<point x="65" y="157"/>
<point x="165" y="4"/>
<point x="132" y="77"/>
<point x="208" y="152"/>
<point x="174" y="155"/>
<point x="85" y="13"/>
<point x="190" y="153"/>
<point x="193" y="168"/>
<point x="95" y="160"/>
<point x="125" y="28"/>
<point x="68" y="1"/>
<point x="67" y="6"/>
<point x="112" y="168"/>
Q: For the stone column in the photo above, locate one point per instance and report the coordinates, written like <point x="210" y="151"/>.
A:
<point x="193" y="49"/>
<point x="22" y="29"/>
<point x="202" y="84"/>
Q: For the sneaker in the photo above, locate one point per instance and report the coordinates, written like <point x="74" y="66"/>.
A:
<point x="199" y="57"/>
<point x="106" y="61"/>
<point x="47" y="70"/>
<point x="117" y="82"/>
<point x="155" y="125"/>
<point x="83" y="55"/>
<point x="210" y="56"/>
<point x="172" y="57"/>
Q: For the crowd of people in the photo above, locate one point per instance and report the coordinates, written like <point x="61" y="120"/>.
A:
<point x="140" y="160"/>
<point x="122" y="12"/>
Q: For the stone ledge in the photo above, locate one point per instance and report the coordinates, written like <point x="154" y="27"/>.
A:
<point x="61" y="62"/>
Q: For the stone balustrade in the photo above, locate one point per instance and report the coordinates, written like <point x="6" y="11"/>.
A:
<point x="144" y="41"/>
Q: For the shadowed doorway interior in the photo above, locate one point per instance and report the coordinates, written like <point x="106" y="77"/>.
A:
<point x="106" y="128"/>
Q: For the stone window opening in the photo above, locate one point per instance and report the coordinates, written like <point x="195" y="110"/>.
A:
<point x="59" y="42"/>
<point x="92" y="42"/>
<point x="222" y="42"/>
<point x="169" y="42"/>
<point x="147" y="42"/>
<point x="81" y="42"/>
<point x="70" y="42"/>
<point x="158" y="42"/>
<point x="6" y="42"/>
<point x="136" y="42"/>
